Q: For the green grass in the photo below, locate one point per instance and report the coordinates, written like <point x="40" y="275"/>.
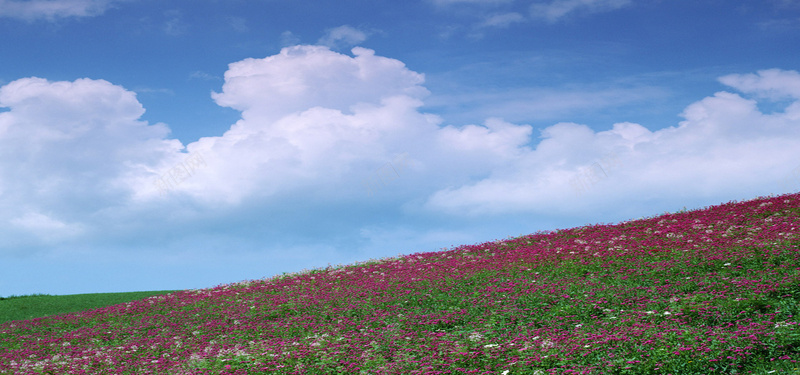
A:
<point x="41" y="305"/>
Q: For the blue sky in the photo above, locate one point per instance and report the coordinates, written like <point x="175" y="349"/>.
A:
<point x="154" y="145"/>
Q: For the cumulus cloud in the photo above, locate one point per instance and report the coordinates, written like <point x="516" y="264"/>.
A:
<point x="308" y="115"/>
<point x="489" y="168"/>
<point x="724" y="145"/>
<point x="303" y="77"/>
<point x="342" y="36"/>
<point x="554" y="10"/>
<point x="51" y="9"/>
<point x="65" y="150"/>
<point x="76" y="161"/>
<point x="320" y="122"/>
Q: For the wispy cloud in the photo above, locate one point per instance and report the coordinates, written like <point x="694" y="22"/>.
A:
<point x="502" y="20"/>
<point x="554" y="10"/>
<point x="779" y="25"/>
<point x="508" y="13"/>
<point x="288" y="38"/>
<point x="149" y="90"/>
<point x="342" y="37"/>
<point x="53" y="9"/>
<point x="476" y="2"/>
<point x="175" y="25"/>
<point x="538" y="104"/>
<point x="204" y="76"/>
<point x="238" y="23"/>
<point x="774" y="84"/>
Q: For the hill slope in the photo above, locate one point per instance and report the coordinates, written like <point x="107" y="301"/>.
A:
<point x="697" y="292"/>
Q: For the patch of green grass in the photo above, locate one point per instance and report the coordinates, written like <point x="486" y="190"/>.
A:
<point x="41" y="305"/>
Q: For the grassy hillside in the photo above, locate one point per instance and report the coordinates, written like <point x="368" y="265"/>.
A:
<point x="714" y="291"/>
<point x="40" y="305"/>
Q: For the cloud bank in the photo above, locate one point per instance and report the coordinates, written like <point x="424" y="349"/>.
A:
<point x="326" y="129"/>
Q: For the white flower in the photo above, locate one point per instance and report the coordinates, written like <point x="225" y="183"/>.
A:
<point x="475" y="336"/>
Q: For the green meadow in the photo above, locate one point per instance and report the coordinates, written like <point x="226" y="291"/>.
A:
<point x="41" y="305"/>
<point x="711" y="291"/>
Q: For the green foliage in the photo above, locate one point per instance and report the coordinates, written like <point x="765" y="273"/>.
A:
<point x="41" y="305"/>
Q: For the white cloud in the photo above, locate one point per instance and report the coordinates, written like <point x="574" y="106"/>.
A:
<point x="725" y="145"/>
<point x="342" y="36"/>
<point x="77" y="161"/>
<point x="52" y="9"/>
<point x="771" y="83"/>
<point x="67" y="147"/>
<point x="308" y="115"/>
<point x="496" y="140"/>
<point x="46" y="227"/>
<point x="554" y="10"/>
<point x="304" y="77"/>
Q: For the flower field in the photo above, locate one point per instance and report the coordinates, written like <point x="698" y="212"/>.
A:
<point x="712" y="291"/>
